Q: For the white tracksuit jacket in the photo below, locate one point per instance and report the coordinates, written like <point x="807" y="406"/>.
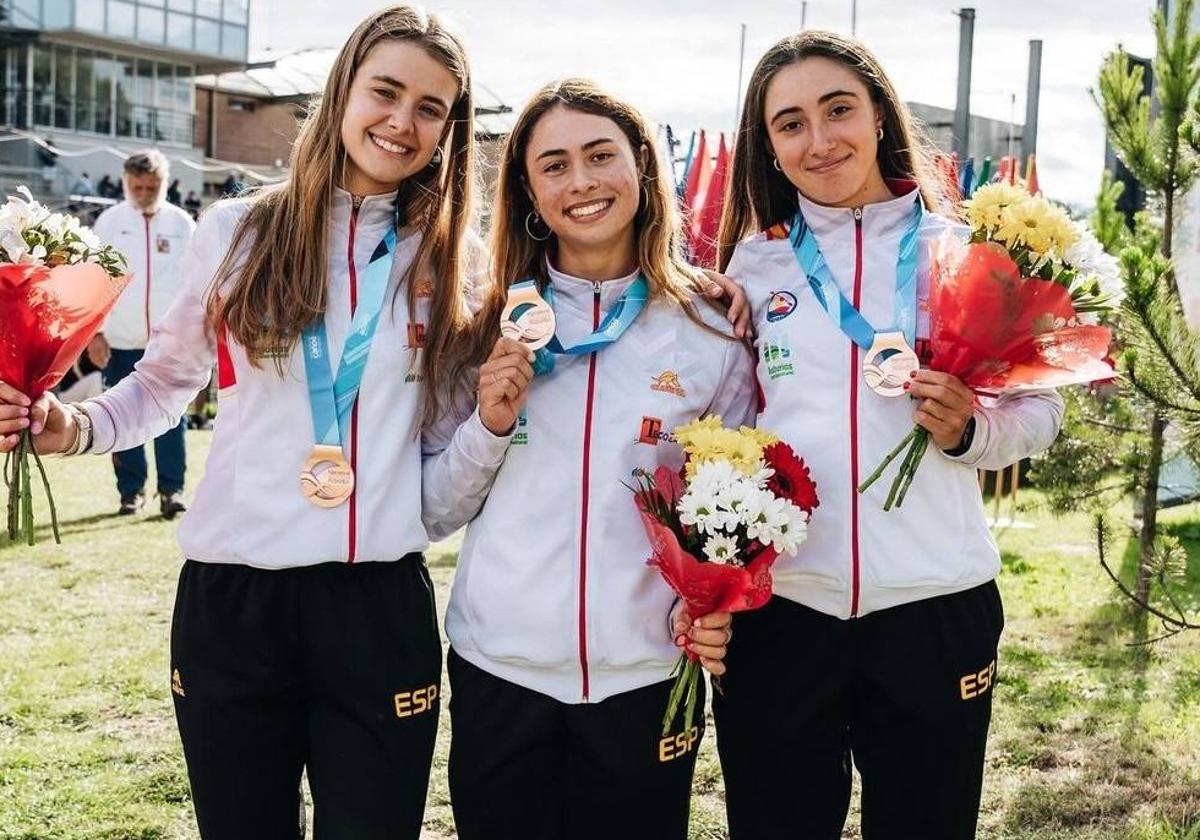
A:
<point x="553" y="592"/>
<point x="858" y="558"/>
<point x="248" y="507"/>
<point x="155" y="248"/>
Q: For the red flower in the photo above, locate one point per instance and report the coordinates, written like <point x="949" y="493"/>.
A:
<point x="791" y="480"/>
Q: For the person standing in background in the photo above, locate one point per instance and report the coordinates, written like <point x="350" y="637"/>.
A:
<point x="153" y="235"/>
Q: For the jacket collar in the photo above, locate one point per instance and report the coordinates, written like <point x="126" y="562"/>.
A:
<point x="579" y="293"/>
<point x="372" y="210"/>
<point x="883" y="215"/>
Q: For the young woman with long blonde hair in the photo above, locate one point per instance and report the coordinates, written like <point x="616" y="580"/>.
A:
<point x="879" y="646"/>
<point x="562" y="637"/>
<point x="304" y="635"/>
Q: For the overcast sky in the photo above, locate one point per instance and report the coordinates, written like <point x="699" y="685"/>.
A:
<point x="679" y="61"/>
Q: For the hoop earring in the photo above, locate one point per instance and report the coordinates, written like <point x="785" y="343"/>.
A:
<point x="436" y="160"/>
<point x="879" y="133"/>
<point x="645" y="197"/>
<point x="532" y="218"/>
<point x="775" y="163"/>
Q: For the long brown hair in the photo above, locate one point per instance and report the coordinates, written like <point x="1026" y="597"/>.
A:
<point x="278" y="290"/>
<point x="757" y="194"/>
<point x="517" y="256"/>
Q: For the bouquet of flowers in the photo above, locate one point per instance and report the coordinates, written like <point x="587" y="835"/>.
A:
<point x="1014" y="309"/>
<point x="716" y="527"/>
<point x="57" y="284"/>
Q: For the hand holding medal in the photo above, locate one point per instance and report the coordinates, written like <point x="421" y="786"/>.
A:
<point x="503" y="384"/>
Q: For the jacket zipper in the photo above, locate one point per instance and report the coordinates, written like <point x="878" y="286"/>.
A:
<point x="855" y="375"/>
<point x="146" y="219"/>
<point x="353" y="512"/>
<point x="583" y="518"/>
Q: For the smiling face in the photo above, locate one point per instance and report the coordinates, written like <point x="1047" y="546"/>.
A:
<point x="583" y="175"/>
<point x="395" y="116"/>
<point x="822" y="127"/>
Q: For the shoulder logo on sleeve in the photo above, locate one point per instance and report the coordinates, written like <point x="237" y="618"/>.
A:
<point x="668" y="383"/>
<point x="782" y="304"/>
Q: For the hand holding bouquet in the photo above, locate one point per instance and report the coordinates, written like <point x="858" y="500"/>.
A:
<point x="57" y="284"/>
<point x="742" y="498"/>
<point x="1008" y="310"/>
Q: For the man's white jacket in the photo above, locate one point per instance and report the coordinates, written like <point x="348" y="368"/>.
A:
<point x="155" y="248"/>
<point x="859" y="558"/>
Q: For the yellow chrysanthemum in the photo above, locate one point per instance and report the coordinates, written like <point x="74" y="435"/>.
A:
<point x="707" y="440"/>
<point x="1028" y="223"/>
<point x="986" y="206"/>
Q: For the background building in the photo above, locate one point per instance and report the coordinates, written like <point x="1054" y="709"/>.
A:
<point x="98" y="79"/>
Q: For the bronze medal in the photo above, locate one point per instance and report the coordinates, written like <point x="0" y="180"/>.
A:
<point x="326" y="479"/>
<point x="527" y="317"/>
<point x="889" y="364"/>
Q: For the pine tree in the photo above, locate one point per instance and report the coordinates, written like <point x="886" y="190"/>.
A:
<point x="1163" y="153"/>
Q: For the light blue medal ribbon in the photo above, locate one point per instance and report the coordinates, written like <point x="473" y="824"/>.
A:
<point x="622" y="315"/>
<point x="333" y="399"/>
<point x="890" y="358"/>
<point x="848" y="319"/>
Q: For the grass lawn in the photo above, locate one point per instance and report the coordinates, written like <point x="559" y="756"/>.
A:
<point x="1090" y="738"/>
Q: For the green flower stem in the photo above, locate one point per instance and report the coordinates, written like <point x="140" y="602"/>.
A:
<point x="26" y="489"/>
<point x="681" y="672"/>
<point x="910" y="458"/>
<point x="912" y="471"/>
<point x="891" y="456"/>
<point x="37" y="459"/>
<point x="12" y="482"/>
<point x="693" y="679"/>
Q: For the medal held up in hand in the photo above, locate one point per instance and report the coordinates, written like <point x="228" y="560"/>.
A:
<point x="527" y="317"/>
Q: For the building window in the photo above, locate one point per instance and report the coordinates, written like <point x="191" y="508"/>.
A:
<point x="43" y="80"/>
<point x="120" y="19"/>
<point x="150" y="26"/>
<point x="27" y="14"/>
<point x="56" y="14"/>
<point x="105" y="69"/>
<point x="233" y="41"/>
<point x="89" y="14"/>
<point x="209" y="8"/>
<point x="64" y="87"/>
<point x="236" y="11"/>
<point x="180" y="5"/>
<point x="179" y="31"/>
<point x="208" y="36"/>
<point x="85" y="94"/>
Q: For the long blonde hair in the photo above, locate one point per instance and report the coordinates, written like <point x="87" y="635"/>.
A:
<point x="757" y="195"/>
<point x="280" y="287"/>
<point x="517" y="256"/>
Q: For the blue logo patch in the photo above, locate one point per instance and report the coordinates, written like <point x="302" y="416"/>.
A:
<point x="782" y="305"/>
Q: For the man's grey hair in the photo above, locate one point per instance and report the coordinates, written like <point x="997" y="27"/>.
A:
<point x="148" y="162"/>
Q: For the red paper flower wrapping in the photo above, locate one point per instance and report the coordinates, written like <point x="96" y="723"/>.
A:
<point x="1000" y="332"/>
<point x="47" y="318"/>
<point x="709" y="587"/>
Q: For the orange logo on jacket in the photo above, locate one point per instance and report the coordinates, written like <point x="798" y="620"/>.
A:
<point x="668" y="383"/>
<point x="409" y="703"/>
<point x="416" y="335"/>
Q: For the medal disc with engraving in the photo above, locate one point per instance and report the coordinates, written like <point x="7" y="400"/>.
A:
<point x="889" y="364"/>
<point x="527" y="318"/>
<point x="326" y="479"/>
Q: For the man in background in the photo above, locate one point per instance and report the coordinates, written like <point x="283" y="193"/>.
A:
<point x="154" y="237"/>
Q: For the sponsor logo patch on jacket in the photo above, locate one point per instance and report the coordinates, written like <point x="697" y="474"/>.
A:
<point x="668" y="383"/>
<point x="652" y="432"/>
<point x="416" y="335"/>
<point x="777" y="355"/>
<point x="782" y="304"/>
